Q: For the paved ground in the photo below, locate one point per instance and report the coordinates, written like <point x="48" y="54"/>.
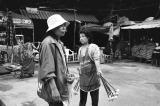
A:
<point x="139" y="85"/>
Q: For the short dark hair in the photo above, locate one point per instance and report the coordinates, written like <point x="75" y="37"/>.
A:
<point x="89" y="35"/>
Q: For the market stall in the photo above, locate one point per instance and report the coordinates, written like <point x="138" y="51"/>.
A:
<point x="22" y="60"/>
<point x="20" y="23"/>
<point x="143" y="46"/>
<point x="16" y="54"/>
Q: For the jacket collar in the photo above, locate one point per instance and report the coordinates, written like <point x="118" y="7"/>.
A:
<point x="59" y="45"/>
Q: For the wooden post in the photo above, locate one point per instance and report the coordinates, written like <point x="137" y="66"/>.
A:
<point x="129" y="42"/>
<point x="33" y="36"/>
<point x="74" y="36"/>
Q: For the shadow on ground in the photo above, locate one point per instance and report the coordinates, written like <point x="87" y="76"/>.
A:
<point x="1" y="103"/>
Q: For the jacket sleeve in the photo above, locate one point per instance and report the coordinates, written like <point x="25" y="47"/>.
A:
<point x="47" y="62"/>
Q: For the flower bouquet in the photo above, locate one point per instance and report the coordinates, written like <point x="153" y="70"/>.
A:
<point x="112" y="93"/>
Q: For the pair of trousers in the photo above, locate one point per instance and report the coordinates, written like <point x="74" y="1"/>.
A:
<point x="94" y="97"/>
<point x="55" y="104"/>
<point x="62" y="103"/>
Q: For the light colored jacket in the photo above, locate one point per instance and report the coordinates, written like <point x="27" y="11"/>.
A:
<point x="53" y="64"/>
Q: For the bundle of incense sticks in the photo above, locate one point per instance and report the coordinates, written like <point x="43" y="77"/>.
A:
<point x="112" y="93"/>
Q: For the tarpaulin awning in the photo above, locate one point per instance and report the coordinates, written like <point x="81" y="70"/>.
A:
<point x="68" y="16"/>
<point x="144" y="25"/>
<point x="19" y="21"/>
<point x="94" y="27"/>
<point x="102" y="29"/>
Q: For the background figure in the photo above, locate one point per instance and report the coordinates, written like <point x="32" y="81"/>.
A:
<point x="53" y="68"/>
<point x="156" y="55"/>
<point x="89" y="58"/>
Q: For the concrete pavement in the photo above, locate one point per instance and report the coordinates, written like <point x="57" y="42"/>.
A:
<point x="139" y="85"/>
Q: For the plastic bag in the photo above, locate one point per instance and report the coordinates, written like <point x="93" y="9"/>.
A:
<point x="44" y="91"/>
<point x="76" y="87"/>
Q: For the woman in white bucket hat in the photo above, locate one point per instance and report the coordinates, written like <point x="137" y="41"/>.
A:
<point x="53" y="68"/>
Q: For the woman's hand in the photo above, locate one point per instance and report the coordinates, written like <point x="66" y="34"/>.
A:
<point x="79" y="70"/>
<point x="99" y="73"/>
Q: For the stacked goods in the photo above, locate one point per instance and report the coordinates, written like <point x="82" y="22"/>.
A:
<point x="150" y="48"/>
<point x="21" y="58"/>
<point x="25" y="59"/>
<point x="20" y="52"/>
<point x="138" y="50"/>
<point x="25" y="54"/>
<point x="8" y="50"/>
<point x="144" y="50"/>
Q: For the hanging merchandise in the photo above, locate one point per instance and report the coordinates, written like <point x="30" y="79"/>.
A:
<point x="10" y="29"/>
<point x="110" y="33"/>
<point x="116" y="31"/>
<point x="10" y="34"/>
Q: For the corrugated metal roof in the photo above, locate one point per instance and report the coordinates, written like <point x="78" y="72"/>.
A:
<point x="68" y="16"/>
<point x="19" y="20"/>
<point x="14" y="15"/>
<point x="144" y="25"/>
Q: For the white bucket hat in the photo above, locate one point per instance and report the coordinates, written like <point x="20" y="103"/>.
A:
<point x="55" y="21"/>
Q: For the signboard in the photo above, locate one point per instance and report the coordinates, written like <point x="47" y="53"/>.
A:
<point x="32" y="10"/>
<point x="21" y="21"/>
